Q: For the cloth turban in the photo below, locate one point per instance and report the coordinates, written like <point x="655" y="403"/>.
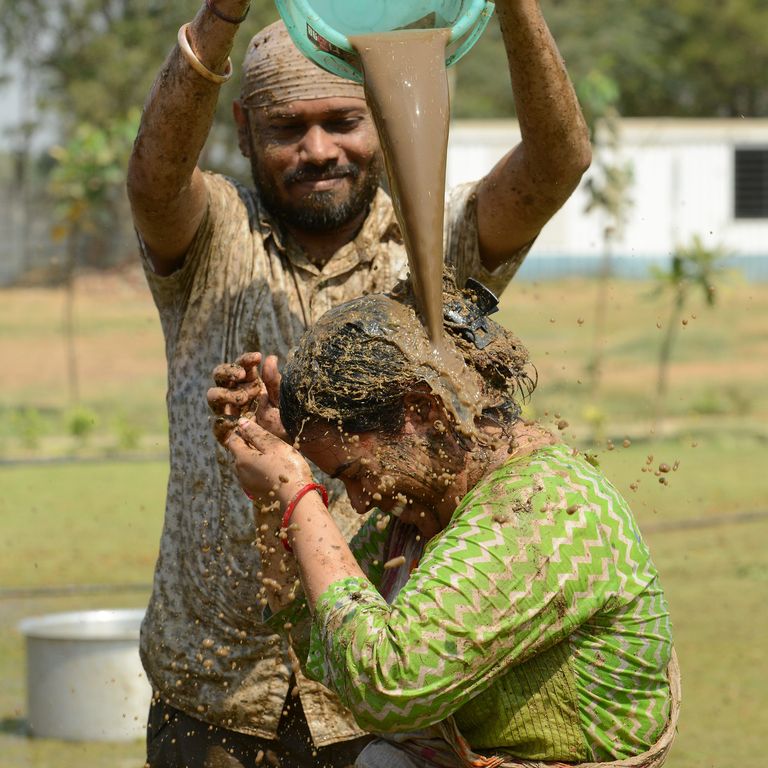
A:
<point x="276" y="72"/>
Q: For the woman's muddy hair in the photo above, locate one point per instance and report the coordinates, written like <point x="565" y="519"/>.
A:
<point x="349" y="369"/>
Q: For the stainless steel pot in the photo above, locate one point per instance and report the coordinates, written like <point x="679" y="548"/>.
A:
<point x="85" y="681"/>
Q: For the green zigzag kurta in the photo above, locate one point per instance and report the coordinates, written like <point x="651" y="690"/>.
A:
<point x="536" y="618"/>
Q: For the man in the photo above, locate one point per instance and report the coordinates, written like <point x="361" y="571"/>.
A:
<point x="233" y="269"/>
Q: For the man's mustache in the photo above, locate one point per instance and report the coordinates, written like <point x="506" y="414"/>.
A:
<point x="321" y="173"/>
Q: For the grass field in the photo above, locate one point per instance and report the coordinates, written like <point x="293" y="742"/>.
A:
<point x="98" y="522"/>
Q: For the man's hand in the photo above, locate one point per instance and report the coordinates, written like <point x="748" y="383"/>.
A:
<point x="241" y="391"/>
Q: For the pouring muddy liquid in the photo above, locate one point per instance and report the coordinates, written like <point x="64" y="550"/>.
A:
<point x="406" y="86"/>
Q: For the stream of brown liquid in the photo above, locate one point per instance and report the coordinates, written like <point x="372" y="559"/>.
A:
<point x="407" y="90"/>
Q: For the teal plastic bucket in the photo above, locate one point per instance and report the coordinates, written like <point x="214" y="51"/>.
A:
<point x="321" y="28"/>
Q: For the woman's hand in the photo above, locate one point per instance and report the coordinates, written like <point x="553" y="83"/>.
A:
<point x="266" y="466"/>
<point x="241" y="391"/>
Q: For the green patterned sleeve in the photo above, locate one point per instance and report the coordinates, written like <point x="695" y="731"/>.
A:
<point x="527" y="558"/>
<point x="367" y="545"/>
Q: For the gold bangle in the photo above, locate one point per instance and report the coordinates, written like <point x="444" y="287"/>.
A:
<point x="198" y="65"/>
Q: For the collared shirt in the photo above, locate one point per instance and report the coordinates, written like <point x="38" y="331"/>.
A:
<point x="243" y="287"/>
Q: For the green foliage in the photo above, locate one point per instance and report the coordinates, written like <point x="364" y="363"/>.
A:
<point x="89" y="175"/>
<point x="610" y="179"/>
<point x="28" y="425"/>
<point x="81" y="423"/>
<point x="94" y="60"/>
<point x="128" y="433"/>
<point x="692" y="266"/>
<point x="482" y="79"/>
<point x="679" y="58"/>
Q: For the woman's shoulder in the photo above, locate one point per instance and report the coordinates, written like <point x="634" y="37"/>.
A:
<point x="547" y="463"/>
<point x="554" y="474"/>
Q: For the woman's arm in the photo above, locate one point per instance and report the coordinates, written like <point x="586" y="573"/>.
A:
<point x="272" y="472"/>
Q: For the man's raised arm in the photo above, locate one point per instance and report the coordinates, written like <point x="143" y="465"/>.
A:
<point x="165" y="187"/>
<point x="523" y="191"/>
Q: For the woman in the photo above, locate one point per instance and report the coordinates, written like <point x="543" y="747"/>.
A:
<point x="500" y="606"/>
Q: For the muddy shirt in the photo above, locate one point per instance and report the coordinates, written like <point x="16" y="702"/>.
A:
<point x="244" y="287"/>
<point x="535" y="619"/>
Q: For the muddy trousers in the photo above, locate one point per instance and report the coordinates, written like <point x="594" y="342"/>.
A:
<point x="176" y="740"/>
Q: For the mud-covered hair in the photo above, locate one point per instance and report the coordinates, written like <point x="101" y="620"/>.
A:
<point x="352" y="369"/>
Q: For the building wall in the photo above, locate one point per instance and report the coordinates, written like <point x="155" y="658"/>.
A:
<point x="683" y="185"/>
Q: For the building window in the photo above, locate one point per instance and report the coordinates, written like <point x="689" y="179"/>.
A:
<point x="751" y="184"/>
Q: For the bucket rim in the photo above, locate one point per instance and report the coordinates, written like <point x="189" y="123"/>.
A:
<point x="64" y="625"/>
<point x="472" y="14"/>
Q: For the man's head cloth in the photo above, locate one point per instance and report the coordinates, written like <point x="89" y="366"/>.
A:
<point x="276" y="72"/>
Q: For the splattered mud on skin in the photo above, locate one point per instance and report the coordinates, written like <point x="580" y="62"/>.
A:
<point x="228" y="374"/>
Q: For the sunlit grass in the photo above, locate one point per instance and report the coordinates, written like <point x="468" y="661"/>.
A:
<point x="99" y="522"/>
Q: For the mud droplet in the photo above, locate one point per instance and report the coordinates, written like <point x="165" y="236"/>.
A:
<point x="664" y="467"/>
<point x="395" y="562"/>
<point x="562" y="424"/>
<point x="627" y="442"/>
<point x="382" y="522"/>
<point x="572" y="509"/>
<point x="580" y="321"/>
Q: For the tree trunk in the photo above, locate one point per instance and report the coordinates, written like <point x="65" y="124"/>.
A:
<point x="595" y="367"/>
<point x="73" y="384"/>
<point x="665" y="354"/>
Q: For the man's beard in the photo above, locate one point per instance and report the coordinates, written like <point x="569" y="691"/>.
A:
<point x="321" y="211"/>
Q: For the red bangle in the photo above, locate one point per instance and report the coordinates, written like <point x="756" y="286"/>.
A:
<point x="229" y="19"/>
<point x="292" y="505"/>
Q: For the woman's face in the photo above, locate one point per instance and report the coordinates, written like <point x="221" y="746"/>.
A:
<point x="399" y="474"/>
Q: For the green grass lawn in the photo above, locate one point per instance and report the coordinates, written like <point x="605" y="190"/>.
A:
<point x="99" y="522"/>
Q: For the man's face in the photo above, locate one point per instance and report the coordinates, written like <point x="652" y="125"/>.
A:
<point x="315" y="162"/>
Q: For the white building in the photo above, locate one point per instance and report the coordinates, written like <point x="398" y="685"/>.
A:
<point x="690" y="177"/>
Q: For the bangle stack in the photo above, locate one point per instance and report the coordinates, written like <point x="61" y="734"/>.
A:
<point x="292" y="505"/>
<point x="196" y="64"/>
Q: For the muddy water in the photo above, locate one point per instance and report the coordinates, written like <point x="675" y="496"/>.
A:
<point x="407" y="90"/>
